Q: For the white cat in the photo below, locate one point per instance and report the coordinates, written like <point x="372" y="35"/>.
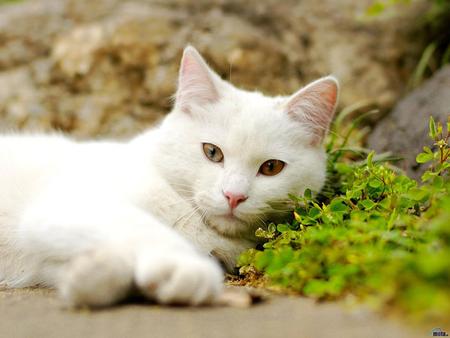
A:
<point x="99" y="219"/>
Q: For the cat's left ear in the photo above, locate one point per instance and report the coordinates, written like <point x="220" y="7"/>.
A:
<point x="197" y="83"/>
<point x="314" y="106"/>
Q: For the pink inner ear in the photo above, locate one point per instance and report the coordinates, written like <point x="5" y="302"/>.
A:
<point x="195" y="82"/>
<point x="314" y="106"/>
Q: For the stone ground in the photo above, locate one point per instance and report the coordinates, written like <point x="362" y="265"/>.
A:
<point x="38" y="313"/>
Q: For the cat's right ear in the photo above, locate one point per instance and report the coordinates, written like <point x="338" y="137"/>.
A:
<point x="197" y="83"/>
<point x="314" y="106"/>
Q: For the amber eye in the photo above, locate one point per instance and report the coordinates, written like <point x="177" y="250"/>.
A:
<point x="271" y="167"/>
<point x="213" y="152"/>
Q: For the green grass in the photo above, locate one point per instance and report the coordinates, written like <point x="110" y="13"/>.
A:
<point x="4" y="2"/>
<point x="372" y="233"/>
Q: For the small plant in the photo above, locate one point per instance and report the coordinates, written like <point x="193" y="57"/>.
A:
<point x="439" y="158"/>
<point x="375" y="234"/>
<point x="378" y="7"/>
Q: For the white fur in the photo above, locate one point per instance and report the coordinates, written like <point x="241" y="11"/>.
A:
<point x="96" y="219"/>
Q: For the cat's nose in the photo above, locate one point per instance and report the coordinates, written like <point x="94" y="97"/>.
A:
<point x="234" y="199"/>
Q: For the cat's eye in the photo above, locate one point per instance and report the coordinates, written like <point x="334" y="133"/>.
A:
<point x="271" y="167"/>
<point x="213" y="152"/>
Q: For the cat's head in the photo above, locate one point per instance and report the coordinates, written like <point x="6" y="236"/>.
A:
<point x="235" y="154"/>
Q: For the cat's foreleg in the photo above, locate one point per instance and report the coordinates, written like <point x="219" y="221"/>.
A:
<point x="96" y="254"/>
<point x="174" y="210"/>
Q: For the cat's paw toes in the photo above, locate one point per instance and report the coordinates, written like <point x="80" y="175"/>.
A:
<point x="175" y="278"/>
<point x="98" y="278"/>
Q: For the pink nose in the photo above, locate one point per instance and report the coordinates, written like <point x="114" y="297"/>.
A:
<point x="234" y="199"/>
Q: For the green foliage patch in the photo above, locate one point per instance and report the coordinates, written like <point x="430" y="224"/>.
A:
<point x="4" y="2"/>
<point x="373" y="233"/>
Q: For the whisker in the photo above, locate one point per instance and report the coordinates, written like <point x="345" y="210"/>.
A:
<point x="184" y="215"/>
<point x="187" y="216"/>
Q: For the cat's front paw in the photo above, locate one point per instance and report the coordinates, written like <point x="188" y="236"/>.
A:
<point x="97" y="278"/>
<point x="178" y="278"/>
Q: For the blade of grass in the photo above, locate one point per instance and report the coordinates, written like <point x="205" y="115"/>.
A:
<point x="424" y="62"/>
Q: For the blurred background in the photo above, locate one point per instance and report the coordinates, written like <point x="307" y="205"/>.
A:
<point x="107" y="68"/>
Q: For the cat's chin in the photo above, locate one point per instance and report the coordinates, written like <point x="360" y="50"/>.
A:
<point x="231" y="226"/>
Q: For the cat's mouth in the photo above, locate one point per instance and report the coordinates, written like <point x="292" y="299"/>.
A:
<point x="230" y="216"/>
<point x="231" y="225"/>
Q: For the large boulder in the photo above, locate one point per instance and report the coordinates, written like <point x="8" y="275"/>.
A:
<point x="405" y="130"/>
<point x="108" y="67"/>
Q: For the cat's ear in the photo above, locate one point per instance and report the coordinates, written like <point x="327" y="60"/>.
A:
<point x="314" y="106"/>
<point x="197" y="83"/>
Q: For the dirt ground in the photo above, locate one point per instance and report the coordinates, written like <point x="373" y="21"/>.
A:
<point x="38" y="313"/>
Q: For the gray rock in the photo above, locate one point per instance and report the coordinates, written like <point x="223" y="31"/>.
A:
<point x="405" y="130"/>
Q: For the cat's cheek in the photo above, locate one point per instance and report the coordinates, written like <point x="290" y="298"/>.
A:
<point x="201" y="203"/>
<point x="212" y="204"/>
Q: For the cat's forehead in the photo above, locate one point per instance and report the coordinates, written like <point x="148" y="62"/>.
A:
<point x="251" y="126"/>
<point x="247" y="111"/>
<point x="246" y="102"/>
